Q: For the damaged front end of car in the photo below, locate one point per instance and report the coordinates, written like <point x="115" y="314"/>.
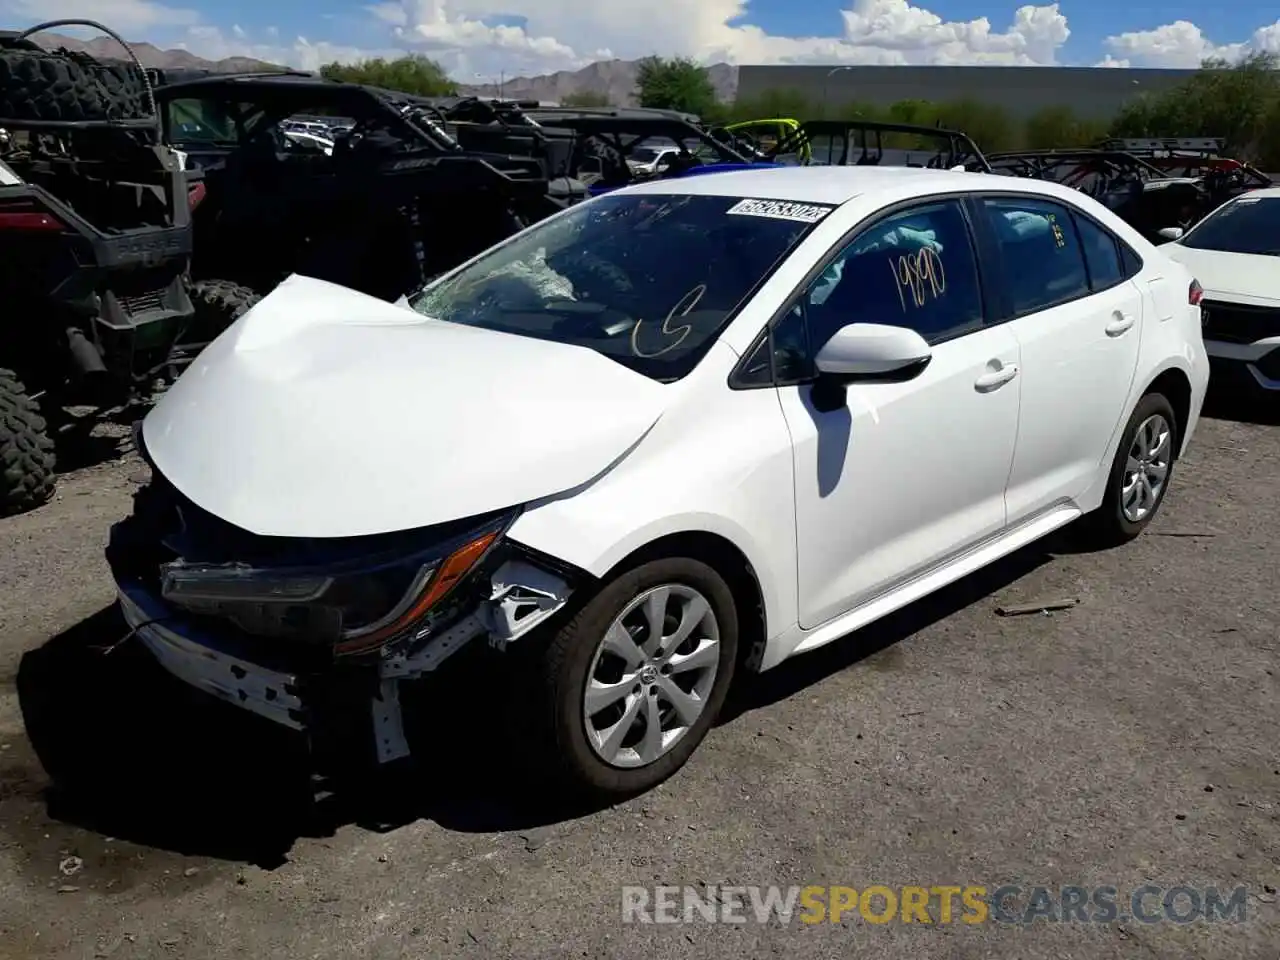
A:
<point x="318" y="634"/>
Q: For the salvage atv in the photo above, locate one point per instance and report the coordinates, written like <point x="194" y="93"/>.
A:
<point x="1141" y="194"/>
<point x="395" y="201"/>
<point x="95" y="239"/>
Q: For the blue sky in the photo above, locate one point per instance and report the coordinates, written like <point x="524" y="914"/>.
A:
<point x="537" y="36"/>
<point x="1091" y="21"/>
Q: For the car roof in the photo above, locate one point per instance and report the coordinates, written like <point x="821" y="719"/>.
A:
<point x="836" y="185"/>
<point x="1267" y="193"/>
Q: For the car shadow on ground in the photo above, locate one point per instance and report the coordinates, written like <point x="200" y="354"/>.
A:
<point x="1240" y="406"/>
<point x="85" y="440"/>
<point x="789" y="678"/>
<point x="135" y="755"/>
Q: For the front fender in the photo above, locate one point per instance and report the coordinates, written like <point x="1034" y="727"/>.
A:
<point x="597" y="546"/>
<point x="720" y="462"/>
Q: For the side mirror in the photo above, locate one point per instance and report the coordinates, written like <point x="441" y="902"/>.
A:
<point x="1171" y="233"/>
<point x="663" y="164"/>
<point x="873" y="351"/>
<point x="866" y="352"/>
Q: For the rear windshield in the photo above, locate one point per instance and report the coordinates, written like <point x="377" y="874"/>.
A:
<point x="646" y="280"/>
<point x="1245" y="225"/>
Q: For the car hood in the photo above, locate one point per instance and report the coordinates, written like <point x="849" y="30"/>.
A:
<point x="1238" y="277"/>
<point x="326" y="413"/>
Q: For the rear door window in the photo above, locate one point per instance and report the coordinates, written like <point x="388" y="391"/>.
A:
<point x="1043" y="258"/>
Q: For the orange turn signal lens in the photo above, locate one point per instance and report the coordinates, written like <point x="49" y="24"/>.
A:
<point x="453" y="569"/>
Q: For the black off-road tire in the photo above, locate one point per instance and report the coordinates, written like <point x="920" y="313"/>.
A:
<point x="26" y="450"/>
<point x="60" y="85"/>
<point x="218" y="304"/>
<point x="1107" y="526"/>
<point x="556" y="718"/>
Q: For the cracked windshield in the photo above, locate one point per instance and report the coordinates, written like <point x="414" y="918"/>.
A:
<point x="648" y="281"/>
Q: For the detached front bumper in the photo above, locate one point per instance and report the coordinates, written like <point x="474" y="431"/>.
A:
<point x="204" y="663"/>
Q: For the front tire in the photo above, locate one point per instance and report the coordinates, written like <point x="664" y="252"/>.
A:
<point x="631" y="685"/>
<point x="1140" y="474"/>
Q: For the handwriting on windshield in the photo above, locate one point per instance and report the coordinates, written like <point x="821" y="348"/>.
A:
<point x="675" y="335"/>
<point x="920" y="277"/>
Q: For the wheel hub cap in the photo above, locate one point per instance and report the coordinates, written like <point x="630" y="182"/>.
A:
<point x="1146" y="468"/>
<point x="651" y="675"/>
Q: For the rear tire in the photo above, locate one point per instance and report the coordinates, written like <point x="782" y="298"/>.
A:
<point x="571" y="741"/>
<point x="1148" y="449"/>
<point x="218" y="304"/>
<point x="26" y="450"/>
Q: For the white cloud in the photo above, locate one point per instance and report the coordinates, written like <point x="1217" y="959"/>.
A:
<point x="212" y="44"/>
<point x="525" y="37"/>
<point x="130" y="18"/>
<point x="564" y="33"/>
<point x="1182" y="44"/>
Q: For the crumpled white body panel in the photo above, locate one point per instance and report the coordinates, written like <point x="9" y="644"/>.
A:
<point x="326" y="413"/>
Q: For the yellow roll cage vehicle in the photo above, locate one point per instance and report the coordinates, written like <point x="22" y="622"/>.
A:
<point x="765" y="135"/>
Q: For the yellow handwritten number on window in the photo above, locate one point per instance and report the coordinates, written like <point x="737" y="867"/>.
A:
<point x="920" y="277"/>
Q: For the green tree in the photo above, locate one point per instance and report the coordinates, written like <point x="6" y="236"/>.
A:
<point x="988" y="125"/>
<point x="1060" y="126"/>
<point x="676" y="84"/>
<point x="855" y="110"/>
<point x="416" y="74"/>
<point x="1268" y="154"/>
<point x="586" y="98"/>
<point x="1234" y="101"/>
<point x="774" y="104"/>
<point x="920" y="112"/>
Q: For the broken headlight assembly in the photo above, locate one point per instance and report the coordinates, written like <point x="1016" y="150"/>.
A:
<point x="355" y="605"/>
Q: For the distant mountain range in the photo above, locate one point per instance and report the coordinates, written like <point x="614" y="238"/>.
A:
<point x="615" y="79"/>
<point x="151" y="56"/>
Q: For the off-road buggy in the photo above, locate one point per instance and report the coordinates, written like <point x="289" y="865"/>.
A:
<point x="1200" y="158"/>
<point x="95" y="237"/>
<point x="876" y="143"/>
<point x="396" y="201"/>
<point x="759" y="137"/>
<point x="1141" y="194"/>
<point x="587" y="150"/>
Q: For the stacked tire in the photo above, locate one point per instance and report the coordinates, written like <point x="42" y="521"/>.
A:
<point x="64" y="86"/>
<point x="26" y="450"/>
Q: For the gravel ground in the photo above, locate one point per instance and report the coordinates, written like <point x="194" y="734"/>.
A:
<point x="1129" y="740"/>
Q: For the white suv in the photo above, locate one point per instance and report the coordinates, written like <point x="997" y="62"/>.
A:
<point x="683" y="430"/>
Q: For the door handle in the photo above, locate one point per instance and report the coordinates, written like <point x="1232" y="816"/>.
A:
<point x="998" y="378"/>
<point x="1120" y="323"/>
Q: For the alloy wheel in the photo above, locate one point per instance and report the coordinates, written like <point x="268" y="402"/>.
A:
<point x="651" y="675"/>
<point x="1146" y="468"/>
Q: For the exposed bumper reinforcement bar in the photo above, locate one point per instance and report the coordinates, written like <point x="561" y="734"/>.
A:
<point x="522" y="597"/>
<point x="197" y="661"/>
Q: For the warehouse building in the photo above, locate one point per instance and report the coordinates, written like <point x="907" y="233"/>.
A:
<point x="1096" y="92"/>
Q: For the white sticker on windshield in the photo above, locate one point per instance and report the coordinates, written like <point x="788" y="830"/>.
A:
<point x="780" y="210"/>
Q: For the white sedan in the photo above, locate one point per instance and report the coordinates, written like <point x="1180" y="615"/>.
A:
<point x="1235" y="253"/>
<point x="685" y="430"/>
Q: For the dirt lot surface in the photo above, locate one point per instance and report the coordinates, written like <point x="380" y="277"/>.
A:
<point x="1129" y="740"/>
